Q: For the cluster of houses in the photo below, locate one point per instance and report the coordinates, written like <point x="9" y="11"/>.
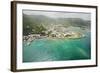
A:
<point x="66" y="35"/>
<point x="60" y="31"/>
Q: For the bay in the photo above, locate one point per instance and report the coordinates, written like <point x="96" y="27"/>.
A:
<point x="64" y="49"/>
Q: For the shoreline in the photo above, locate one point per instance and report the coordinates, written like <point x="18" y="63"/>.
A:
<point x="33" y="37"/>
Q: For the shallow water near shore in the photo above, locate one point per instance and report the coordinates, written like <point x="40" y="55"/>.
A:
<point x="41" y="50"/>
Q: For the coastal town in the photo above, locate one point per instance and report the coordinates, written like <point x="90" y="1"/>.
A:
<point x="55" y="32"/>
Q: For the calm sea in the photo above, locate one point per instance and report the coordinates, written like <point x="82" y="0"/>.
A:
<point x="57" y="49"/>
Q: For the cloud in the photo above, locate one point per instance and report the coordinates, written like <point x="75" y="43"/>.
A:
<point x="53" y="14"/>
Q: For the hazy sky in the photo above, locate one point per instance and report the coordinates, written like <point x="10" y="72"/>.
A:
<point x="52" y="14"/>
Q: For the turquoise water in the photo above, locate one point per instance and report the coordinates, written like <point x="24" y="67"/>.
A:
<point x="57" y="49"/>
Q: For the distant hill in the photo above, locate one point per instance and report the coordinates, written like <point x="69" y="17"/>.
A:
<point x="36" y="21"/>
